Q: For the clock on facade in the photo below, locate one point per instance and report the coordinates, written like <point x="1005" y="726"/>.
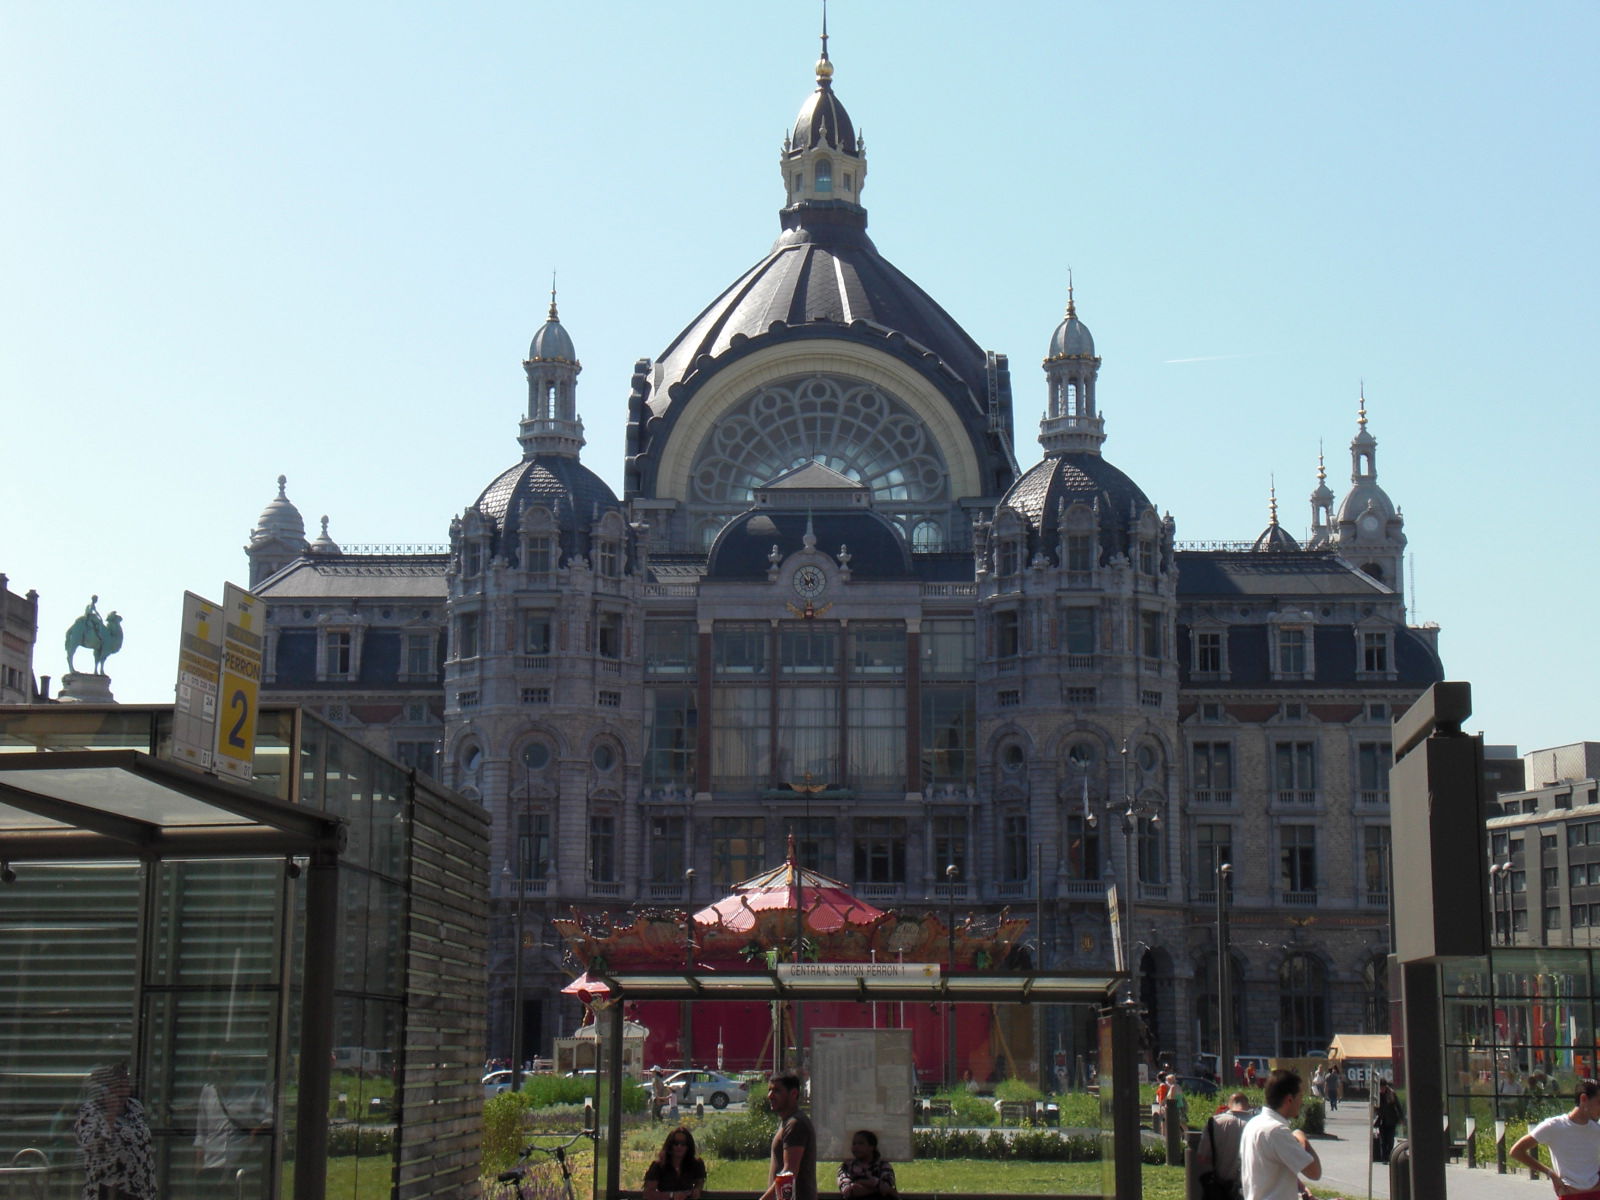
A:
<point x="810" y="582"/>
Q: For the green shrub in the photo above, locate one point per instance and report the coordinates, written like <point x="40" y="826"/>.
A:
<point x="740" y="1135"/>
<point x="1016" y="1090"/>
<point x="967" y="1109"/>
<point x="345" y="1140"/>
<point x="502" y="1130"/>
<point x="1313" y="1116"/>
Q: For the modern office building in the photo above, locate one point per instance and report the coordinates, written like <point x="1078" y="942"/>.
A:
<point x="829" y="602"/>
<point x="1544" y="850"/>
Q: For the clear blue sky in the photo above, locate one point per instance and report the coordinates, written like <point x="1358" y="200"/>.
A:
<point x="316" y="238"/>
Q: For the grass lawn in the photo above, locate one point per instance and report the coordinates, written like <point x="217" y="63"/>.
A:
<point x="965" y="1175"/>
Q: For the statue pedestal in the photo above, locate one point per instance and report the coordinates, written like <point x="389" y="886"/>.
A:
<point x="78" y="688"/>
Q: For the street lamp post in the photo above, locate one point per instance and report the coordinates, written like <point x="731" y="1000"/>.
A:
<point x="1224" y="976"/>
<point x="516" y="986"/>
<point x="686" y="1015"/>
<point x="950" y="873"/>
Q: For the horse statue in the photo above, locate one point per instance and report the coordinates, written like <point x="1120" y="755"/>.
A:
<point x="90" y="632"/>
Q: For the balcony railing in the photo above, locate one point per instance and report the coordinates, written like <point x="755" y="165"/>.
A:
<point x="1213" y="796"/>
<point x="666" y="891"/>
<point x="1083" y="889"/>
<point x="947" y="891"/>
<point x="676" y="590"/>
<point x="879" y="891"/>
<point x="951" y="591"/>
<point x="1205" y="895"/>
<point x="608" y="890"/>
<point x="1296" y="797"/>
<point x="1152" y="891"/>
<point x="1011" y="889"/>
<point x="609" y="666"/>
<point x="534" y="662"/>
<point x="1300" y="899"/>
<point x="1378" y="897"/>
<point x="1373" y="798"/>
<point x="1080" y="662"/>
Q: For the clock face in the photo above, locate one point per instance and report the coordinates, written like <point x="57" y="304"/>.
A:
<point x="1369" y="523"/>
<point x="810" y="582"/>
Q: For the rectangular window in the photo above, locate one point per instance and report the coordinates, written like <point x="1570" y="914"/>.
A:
<point x="670" y="647"/>
<point x="1083" y="848"/>
<point x="609" y="559"/>
<point x="1008" y="557"/>
<point x="419" y="655"/>
<point x="534" y="847"/>
<point x="472" y="558"/>
<point x="807" y="735"/>
<point x="1550" y="878"/>
<point x="1372" y="771"/>
<point x="1298" y="873"/>
<point x="1213" y="772"/>
<point x="603" y="848"/>
<point x="536" y="695"/>
<point x="1208" y="652"/>
<point x="467" y="635"/>
<point x="1014" y="848"/>
<point x="877" y="738"/>
<point x="949" y="649"/>
<point x="1007" y="635"/>
<point x="1375" y="863"/>
<point x="538" y="555"/>
<point x="1150" y="634"/>
<point x="1009" y="698"/>
<point x="336" y="659"/>
<point x="537" y="628"/>
<point x="1580" y="916"/>
<point x="1292" y="651"/>
<point x="1375" y="652"/>
<point x="880" y="850"/>
<point x="1080" y="623"/>
<point x="1213" y="846"/>
<point x="808" y="648"/>
<point x="1294" y="769"/>
<point x="877" y="650"/>
<point x="609" y="699"/>
<point x="949" y="736"/>
<point x="1147" y="556"/>
<point x="1080" y="552"/>
<point x="608" y="635"/>
<point x="816" y="842"/>
<point x="1152" y="848"/>
<point x="949" y="846"/>
<point x="738" y="848"/>
<point x="1562" y="800"/>
<point x="741" y="738"/>
<point x="739" y="649"/>
<point x="1150" y="698"/>
<point x="671" y="721"/>
<point x="666" y="849"/>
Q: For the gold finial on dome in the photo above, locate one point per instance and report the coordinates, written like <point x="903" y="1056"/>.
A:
<point x="824" y="67"/>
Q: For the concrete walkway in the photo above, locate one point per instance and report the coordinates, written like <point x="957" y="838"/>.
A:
<point x="1345" y="1149"/>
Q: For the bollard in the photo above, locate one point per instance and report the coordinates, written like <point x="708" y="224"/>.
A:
<point x="1500" y="1145"/>
<point x="1172" y="1127"/>
<point x="1400" y="1170"/>
<point x="1472" y="1141"/>
<point x="1191" y="1165"/>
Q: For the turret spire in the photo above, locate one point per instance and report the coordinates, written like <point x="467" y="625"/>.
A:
<point x="554" y="316"/>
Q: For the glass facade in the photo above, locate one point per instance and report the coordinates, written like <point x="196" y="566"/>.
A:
<point x="189" y="972"/>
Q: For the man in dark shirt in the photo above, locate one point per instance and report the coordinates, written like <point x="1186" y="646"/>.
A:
<point x="794" y="1146"/>
<point x="1219" y="1143"/>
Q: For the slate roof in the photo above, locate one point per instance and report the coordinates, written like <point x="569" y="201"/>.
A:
<point x="557" y="482"/>
<point x="877" y="551"/>
<point x="1283" y="573"/>
<point x="359" y="576"/>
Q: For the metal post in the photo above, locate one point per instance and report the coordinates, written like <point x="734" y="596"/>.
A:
<point x="686" y="1015"/>
<point x="316" y="1024"/>
<point x="516" y="986"/>
<point x="950" y="873"/>
<point x="1224" y="980"/>
<point x="1129" y="833"/>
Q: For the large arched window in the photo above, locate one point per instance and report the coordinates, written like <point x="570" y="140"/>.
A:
<point x="1302" y="1006"/>
<point x="1205" y="1005"/>
<point x="824" y="175"/>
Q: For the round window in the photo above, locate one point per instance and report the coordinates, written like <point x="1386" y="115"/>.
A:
<point x="471" y="757"/>
<point x="605" y="757"/>
<point x="1148" y="758"/>
<point x="536" y="756"/>
<point x="1081" y="756"/>
<point x="1013" y="757"/>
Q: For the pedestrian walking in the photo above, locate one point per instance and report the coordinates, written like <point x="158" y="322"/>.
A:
<point x="1274" y="1156"/>
<point x="1387" y="1113"/>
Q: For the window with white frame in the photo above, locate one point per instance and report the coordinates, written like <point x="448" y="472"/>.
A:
<point x="1297" y="873"/>
<point x="466" y="639"/>
<point x="419" y="655"/>
<point x="949" y="845"/>
<point x="1212" y="775"/>
<point x="1372" y="771"/>
<point x="337" y="654"/>
<point x="1014" y="847"/>
<point x="1294" y="771"/>
<point x="1375" y="652"/>
<point x="1080" y="552"/>
<point x="1292" y="650"/>
<point x="537" y="628"/>
<point x="880" y="850"/>
<point x="602" y="847"/>
<point x="1213" y="846"/>
<point x="1208" y="652"/>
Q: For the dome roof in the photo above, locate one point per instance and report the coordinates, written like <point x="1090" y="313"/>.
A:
<point x="1071" y="339"/>
<point x="562" y="484"/>
<point x="1077" y="477"/>
<point x="324" y="543"/>
<point x="877" y="551"/>
<point x="1362" y="496"/>
<point x="280" y="519"/>
<point x="1274" y="539"/>
<point x="552" y="341"/>
<point x="823" y="268"/>
<point x="823" y="120"/>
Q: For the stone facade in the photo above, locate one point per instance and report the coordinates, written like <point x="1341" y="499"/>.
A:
<point x="19" y="630"/>
<point x="829" y="604"/>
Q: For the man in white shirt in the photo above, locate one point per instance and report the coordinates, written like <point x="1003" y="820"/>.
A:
<point x="1273" y="1156"/>
<point x="1574" y="1142"/>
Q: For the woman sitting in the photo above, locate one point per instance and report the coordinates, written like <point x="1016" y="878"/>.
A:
<point x="678" y="1173"/>
<point x="865" y="1172"/>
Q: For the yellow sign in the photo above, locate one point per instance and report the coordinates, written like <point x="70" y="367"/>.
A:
<point x="241" y="681"/>
<point x="194" y="717"/>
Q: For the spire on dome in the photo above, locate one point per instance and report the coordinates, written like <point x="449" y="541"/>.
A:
<point x="824" y="67"/>
<point x="1072" y="421"/>
<point x="552" y="425"/>
<point x="1274" y="539"/>
<point x="554" y="316"/>
<point x="823" y="160"/>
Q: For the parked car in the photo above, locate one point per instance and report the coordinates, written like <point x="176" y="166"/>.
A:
<point x="1197" y="1085"/>
<point x="711" y="1087"/>
<point x="496" y="1082"/>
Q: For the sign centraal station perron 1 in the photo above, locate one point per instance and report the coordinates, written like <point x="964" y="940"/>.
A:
<point x="194" y="716"/>
<point x="219" y="682"/>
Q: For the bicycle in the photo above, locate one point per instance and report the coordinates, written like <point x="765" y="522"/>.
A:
<point x="510" y="1182"/>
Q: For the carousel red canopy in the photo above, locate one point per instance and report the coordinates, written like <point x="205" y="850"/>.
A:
<point x="827" y="903"/>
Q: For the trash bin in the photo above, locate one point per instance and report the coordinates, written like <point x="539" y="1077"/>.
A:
<point x="1400" y="1170"/>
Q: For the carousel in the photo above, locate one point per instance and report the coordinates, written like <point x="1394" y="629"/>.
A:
<point x="790" y="914"/>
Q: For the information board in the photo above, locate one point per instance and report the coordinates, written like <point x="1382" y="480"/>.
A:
<point x="241" y="682"/>
<point x="862" y="1079"/>
<point x="194" y="715"/>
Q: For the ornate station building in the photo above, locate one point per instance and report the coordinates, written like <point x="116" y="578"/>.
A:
<point x="831" y="605"/>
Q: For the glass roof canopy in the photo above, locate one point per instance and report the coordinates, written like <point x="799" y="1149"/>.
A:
<point x="1087" y="987"/>
<point x="120" y="803"/>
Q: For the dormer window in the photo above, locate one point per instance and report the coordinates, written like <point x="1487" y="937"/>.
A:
<point x="823" y="176"/>
<point x="1292" y="651"/>
<point x="1080" y="552"/>
<point x="472" y="558"/>
<point x="849" y="182"/>
<point x="607" y="559"/>
<point x="1147" y="556"/>
<point x="1008" y="558"/>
